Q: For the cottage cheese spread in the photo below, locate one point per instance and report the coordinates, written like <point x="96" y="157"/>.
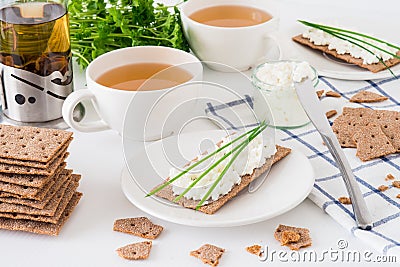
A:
<point x="253" y="156"/>
<point x="319" y="37"/>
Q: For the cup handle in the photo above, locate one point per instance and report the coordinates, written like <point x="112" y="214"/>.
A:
<point x="69" y="106"/>
<point x="274" y="42"/>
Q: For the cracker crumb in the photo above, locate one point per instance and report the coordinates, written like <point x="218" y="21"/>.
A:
<point x="303" y="241"/>
<point x="396" y="184"/>
<point x="254" y="249"/>
<point x="344" y="200"/>
<point x="136" y="251"/>
<point x="289" y="237"/>
<point x="320" y="93"/>
<point x="208" y="254"/>
<point x="332" y="94"/>
<point x="331" y="113"/>
<point x="398" y="196"/>
<point x="389" y="177"/>
<point x="383" y="188"/>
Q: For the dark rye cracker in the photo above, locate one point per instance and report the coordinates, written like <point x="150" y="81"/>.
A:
<point x="140" y="226"/>
<point x="304" y="241"/>
<point x="208" y="254"/>
<point x="7" y="168"/>
<point x="367" y="97"/>
<point x="30" y="180"/>
<point x="213" y="206"/>
<point x="136" y="251"/>
<point x="376" y="67"/>
<point x="65" y="199"/>
<point x="31" y="143"/>
<point x="372" y="142"/>
<point x="40" y="204"/>
<point x="37" y="164"/>
<point x="48" y="210"/>
<point x="42" y="227"/>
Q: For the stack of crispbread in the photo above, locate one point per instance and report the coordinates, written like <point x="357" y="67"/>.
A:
<point x="37" y="192"/>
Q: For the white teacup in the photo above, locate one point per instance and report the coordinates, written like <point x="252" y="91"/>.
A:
<point x="238" y="47"/>
<point x="111" y="104"/>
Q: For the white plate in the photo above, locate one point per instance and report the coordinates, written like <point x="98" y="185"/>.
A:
<point x="288" y="184"/>
<point x="330" y="67"/>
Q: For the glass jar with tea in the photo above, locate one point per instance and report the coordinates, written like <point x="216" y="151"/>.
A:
<point x="35" y="59"/>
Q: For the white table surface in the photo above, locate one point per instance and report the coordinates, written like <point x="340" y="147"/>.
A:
<point x="88" y="239"/>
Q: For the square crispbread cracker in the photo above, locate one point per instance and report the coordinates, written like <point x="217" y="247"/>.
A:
<point x="367" y="97"/>
<point x="372" y="142"/>
<point x="208" y="254"/>
<point x="135" y="251"/>
<point x="304" y="241"/>
<point x="376" y="67"/>
<point x="344" y="127"/>
<point x="392" y="131"/>
<point x="140" y="226"/>
<point x="213" y="206"/>
<point x="65" y="199"/>
<point x="42" y="228"/>
<point x="7" y="168"/>
<point x="48" y="210"/>
<point x="36" y="164"/>
<point x="30" y="180"/>
<point x="40" y="204"/>
<point x="31" y="143"/>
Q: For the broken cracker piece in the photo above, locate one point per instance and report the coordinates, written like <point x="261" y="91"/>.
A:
<point x="389" y="177"/>
<point x="383" y="188"/>
<point x="344" y="200"/>
<point x="140" y="226"/>
<point x="289" y="237"/>
<point x="398" y="196"/>
<point x="208" y="254"/>
<point x="320" y="93"/>
<point x="254" y="249"/>
<point x="396" y="184"/>
<point x="372" y="142"/>
<point x="329" y="114"/>
<point x="135" y="251"/>
<point x="332" y="94"/>
<point x="304" y="241"/>
<point x="367" y="97"/>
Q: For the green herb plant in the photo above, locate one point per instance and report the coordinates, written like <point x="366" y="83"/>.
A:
<point x="354" y="38"/>
<point x="246" y="138"/>
<point x="100" y="26"/>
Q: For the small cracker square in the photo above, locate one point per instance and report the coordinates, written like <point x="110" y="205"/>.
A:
<point x="344" y="127"/>
<point x="289" y="237"/>
<point x="140" y="226"/>
<point x="372" y="142"/>
<point x="135" y="251"/>
<point x="304" y="241"/>
<point x="209" y="254"/>
<point x="254" y="249"/>
<point x="367" y="97"/>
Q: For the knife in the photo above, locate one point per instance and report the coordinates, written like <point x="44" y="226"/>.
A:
<point x="312" y="106"/>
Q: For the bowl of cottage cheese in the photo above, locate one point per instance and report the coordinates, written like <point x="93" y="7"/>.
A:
<point x="275" y="80"/>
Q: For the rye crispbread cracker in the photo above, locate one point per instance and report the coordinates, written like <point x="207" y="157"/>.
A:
<point x="392" y="131"/>
<point x="332" y="94"/>
<point x="48" y="210"/>
<point x="367" y="97"/>
<point x="383" y="188"/>
<point x="320" y="93"/>
<point x="36" y="164"/>
<point x="376" y="67"/>
<point x="345" y="126"/>
<point x="396" y="184"/>
<point x="31" y="143"/>
<point x="212" y="206"/>
<point x="289" y="237"/>
<point x="254" y="249"/>
<point x="344" y="200"/>
<point x="329" y="114"/>
<point x="208" y="254"/>
<point x="7" y="168"/>
<point x="30" y="180"/>
<point x="135" y="251"/>
<point x="39" y="204"/>
<point x="140" y="226"/>
<point x="304" y="241"/>
<point x="42" y="227"/>
<point x="65" y="199"/>
<point x="372" y="142"/>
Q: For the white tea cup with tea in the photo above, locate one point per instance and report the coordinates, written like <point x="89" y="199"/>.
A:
<point x="143" y="73"/>
<point x="236" y="33"/>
